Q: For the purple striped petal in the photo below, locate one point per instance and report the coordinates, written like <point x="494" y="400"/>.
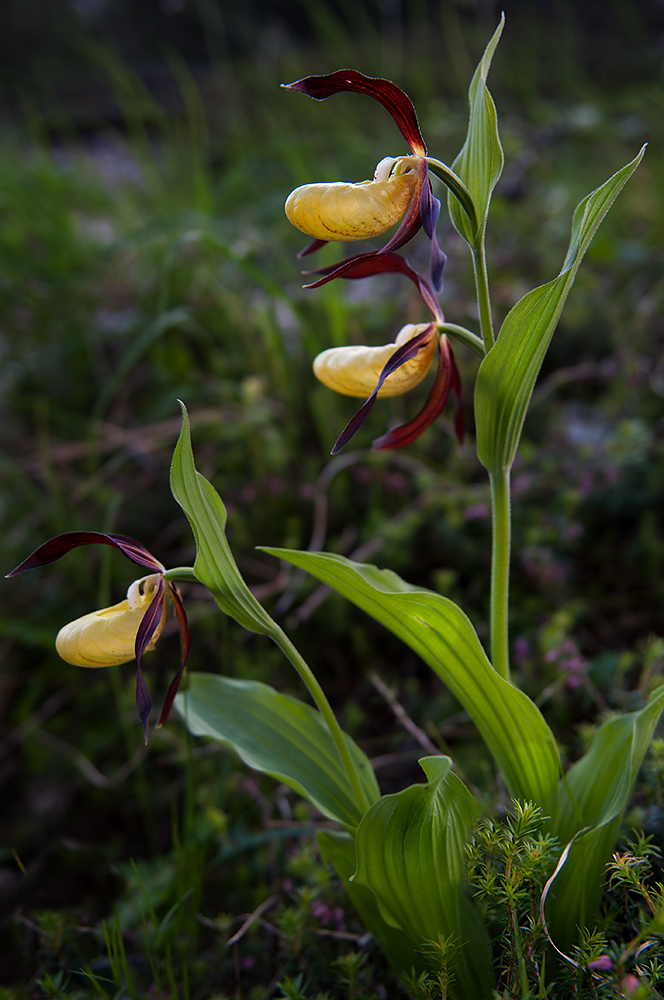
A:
<point x="404" y="353"/>
<point x="429" y="211"/>
<point x="186" y="647"/>
<point x="311" y="248"/>
<point x="385" y="92"/>
<point x="146" y="630"/>
<point x="57" y="547"/>
<point x="385" y="263"/>
<point x="405" y="434"/>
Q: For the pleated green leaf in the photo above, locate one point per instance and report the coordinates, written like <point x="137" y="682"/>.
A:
<point x="279" y="735"/>
<point x="595" y="792"/>
<point x="480" y="161"/>
<point x="510" y="723"/>
<point x="215" y="566"/>
<point x="507" y="375"/>
<point x="410" y="853"/>
<point x="338" y="849"/>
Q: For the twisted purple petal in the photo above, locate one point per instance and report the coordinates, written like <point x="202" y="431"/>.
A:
<point x="405" y="434"/>
<point x="404" y="353"/>
<point x="186" y="647"/>
<point x="55" y="548"/>
<point x="429" y="211"/>
<point x="393" y="98"/>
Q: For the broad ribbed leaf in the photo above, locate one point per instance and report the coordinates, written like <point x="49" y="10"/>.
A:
<point x="215" y="566"/>
<point x="338" y="849"/>
<point x="410" y="853"/>
<point x="595" y="792"/>
<point x="279" y="735"/>
<point x="480" y="162"/>
<point x="507" y="375"/>
<point x="510" y="723"/>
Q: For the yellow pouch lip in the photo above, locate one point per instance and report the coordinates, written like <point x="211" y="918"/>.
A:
<point x="107" y="637"/>
<point x="355" y="370"/>
<point x="345" y="212"/>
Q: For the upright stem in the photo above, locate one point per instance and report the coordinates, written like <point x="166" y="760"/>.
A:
<point x="186" y="573"/>
<point x="483" y="299"/>
<point x="500" y="571"/>
<point x="323" y="705"/>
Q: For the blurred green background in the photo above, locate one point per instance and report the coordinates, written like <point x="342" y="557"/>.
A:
<point x="147" y="151"/>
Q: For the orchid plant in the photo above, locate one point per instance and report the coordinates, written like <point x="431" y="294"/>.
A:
<point x="403" y="856"/>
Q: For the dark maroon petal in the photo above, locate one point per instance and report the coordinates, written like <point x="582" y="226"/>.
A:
<point x="429" y="208"/>
<point x="143" y="701"/>
<point x="57" y="547"/>
<point x="186" y="647"/>
<point x="387" y="93"/>
<point x="392" y="262"/>
<point x="429" y="211"/>
<point x="146" y="630"/>
<point x="404" y="353"/>
<point x="311" y="248"/>
<point x="150" y="620"/>
<point x="405" y="434"/>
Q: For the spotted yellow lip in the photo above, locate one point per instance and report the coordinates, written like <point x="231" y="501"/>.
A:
<point x="107" y="637"/>
<point x="341" y="211"/>
<point x="355" y="370"/>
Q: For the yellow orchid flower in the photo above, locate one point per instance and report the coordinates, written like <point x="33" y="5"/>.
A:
<point x="126" y="630"/>
<point x="346" y="212"/>
<point x="356" y="370"/>
<point x="107" y="637"/>
<point x="399" y="192"/>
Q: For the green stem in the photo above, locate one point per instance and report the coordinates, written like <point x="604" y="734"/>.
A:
<point x="471" y="340"/>
<point x="482" y="286"/>
<point x="325" y="709"/>
<point x="187" y="574"/>
<point x="456" y="186"/>
<point x="183" y="573"/>
<point x="500" y="571"/>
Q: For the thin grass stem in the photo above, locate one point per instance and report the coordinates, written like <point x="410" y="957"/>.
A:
<point x="500" y="570"/>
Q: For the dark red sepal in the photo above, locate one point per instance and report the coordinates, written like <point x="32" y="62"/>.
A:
<point x="389" y="263"/>
<point x="311" y="248"/>
<point x="150" y="620"/>
<point x="385" y="92"/>
<point x="186" y="647"/>
<point x="405" y="434"/>
<point x="59" y="546"/>
<point x="146" y="630"/>
<point x="404" y="353"/>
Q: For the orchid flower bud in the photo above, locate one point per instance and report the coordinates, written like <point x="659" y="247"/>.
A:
<point x="107" y="637"/>
<point x="355" y="370"/>
<point x="345" y="212"/>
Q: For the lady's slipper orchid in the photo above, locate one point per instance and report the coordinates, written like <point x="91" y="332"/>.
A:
<point x="356" y="370"/>
<point x="394" y="369"/>
<point x="125" y="631"/>
<point x="400" y="190"/>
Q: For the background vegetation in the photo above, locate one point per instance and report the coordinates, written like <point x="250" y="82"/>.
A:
<point x="144" y="257"/>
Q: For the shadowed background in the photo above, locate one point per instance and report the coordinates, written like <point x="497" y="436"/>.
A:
<point x="144" y="256"/>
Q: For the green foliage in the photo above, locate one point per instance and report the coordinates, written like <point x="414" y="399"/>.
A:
<point x="480" y="161"/>
<point x="510" y="723"/>
<point x="214" y="565"/>
<point x="595" y="793"/>
<point x="279" y="735"/>
<point x="119" y="295"/>
<point x="410" y="853"/>
<point x="507" y="376"/>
